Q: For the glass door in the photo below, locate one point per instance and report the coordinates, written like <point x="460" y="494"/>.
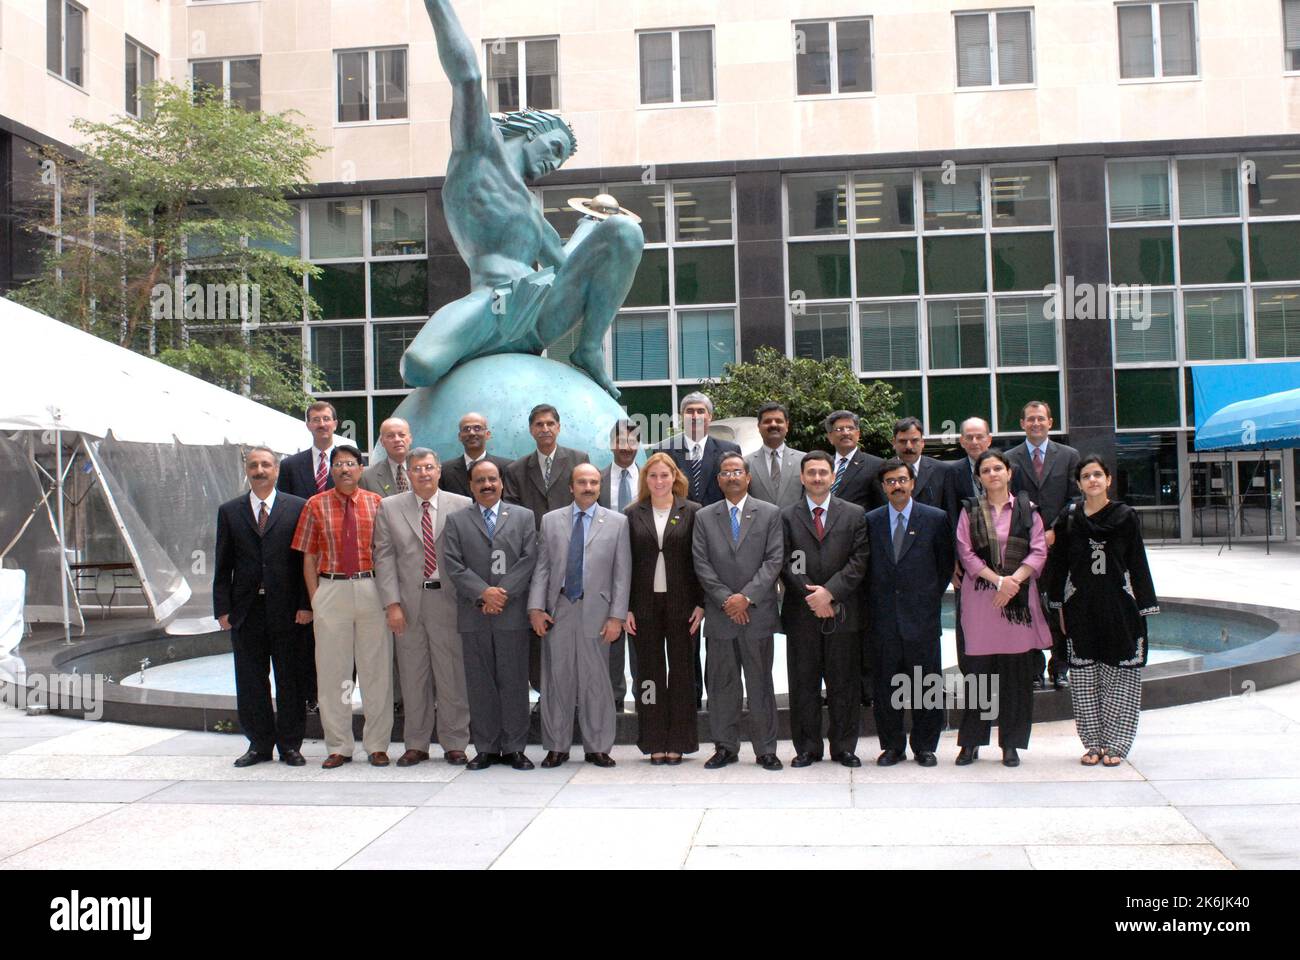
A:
<point x="1212" y="496"/>
<point x="1260" y="507"/>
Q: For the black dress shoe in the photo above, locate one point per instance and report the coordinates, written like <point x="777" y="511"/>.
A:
<point x="768" y="761"/>
<point x="673" y="761"/>
<point x="804" y="760"/>
<point x="925" y="758"/>
<point x="293" y="758"/>
<point x="890" y="757"/>
<point x="599" y="759"/>
<point x="252" y="757"/>
<point x="553" y="759"/>
<point x="517" y="761"/>
<point x="658" y="761"/>
<point x="1010" y="758"/>
<point x="967" y="755"/>
<point x="482" y="761"/>
<point x="847" y="759"/>
<point x="720" y="759"/>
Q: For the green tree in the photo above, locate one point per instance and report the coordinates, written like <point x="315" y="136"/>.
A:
<point x="170" y="235"/>
<point x="811" y="390"/>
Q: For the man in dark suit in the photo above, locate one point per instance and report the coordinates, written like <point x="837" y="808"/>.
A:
<point x="854" y="477"/>
<point x="928" y="474"/>
<point x="258" y="594"/>
<point x="1045" y="470"/>
<point x="474" y="435"/>
<point x="962" y="479"/>
<point x="618" y="491"/>
<point x="826" y="557"/>
<point x="695" y="452"/>
<point x="912" y="555"/>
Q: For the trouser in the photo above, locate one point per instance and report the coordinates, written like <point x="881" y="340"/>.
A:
<point x="1012" y="704"/>
<point x="665" y="655"/>
<point x="496" y="678"/>
<point x="307" y="665"/>
<point x="575" y="674"/>
<point x="727" y="658"/>
<point x="895" y="659"/>
<point x="430" y="654"/>
<point x="810" y="656"/>
<point x="1107" y="704"/>
<point x="350" y="629"/>
<point x="257" y="646"/>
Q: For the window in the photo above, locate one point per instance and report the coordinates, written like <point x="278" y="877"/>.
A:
<point x="536" y="61"/>
<point x="1277" y="322"/>
<point x="141" y="70"/>
<point x="995" y="49"/>
<point x="237" y="81"/>
<point x="371" y="85"/>
<point x="65" y="40"/>
<point x="1214" y="324"/>
<point x="832" y="57"/>
<point x="677" y="66"/>
<point x="1157" y="40"/>
<point x="1291" y="29"/>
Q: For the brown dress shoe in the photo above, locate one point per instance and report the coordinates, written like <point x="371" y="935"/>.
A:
<point x="553" y="759"/>
<point x="456" y="758"/>
<point x="411" y="757"/>
<point x="379" y="759"/>
<point x="335" y="760"/>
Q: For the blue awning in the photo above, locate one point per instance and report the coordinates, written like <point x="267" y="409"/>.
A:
<point x="1247" y="406"/>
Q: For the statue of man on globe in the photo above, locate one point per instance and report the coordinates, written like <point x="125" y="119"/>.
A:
<point x="528" y="289"/>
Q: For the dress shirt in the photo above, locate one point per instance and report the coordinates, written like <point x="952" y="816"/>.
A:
<point x="320" y="528"/>
<point x="615" y="475"/>
<point x="893" y="516"/>
<point x="826" y="508"/>
<point x="256" y="502"/>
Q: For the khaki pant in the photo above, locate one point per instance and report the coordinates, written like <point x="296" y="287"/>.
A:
<point x="350" y="627"/>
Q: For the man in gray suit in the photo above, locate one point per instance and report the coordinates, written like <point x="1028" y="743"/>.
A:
<point x="421" y="613"/>
<point x="737" y="545"/>
<point x="580" y="592"/>
<point x="774" y="468"/>
<point x="489" y="555"/>
<point x="540" y="480"/>
<point x="388" y="474"/>
<point x="618" y="490"/>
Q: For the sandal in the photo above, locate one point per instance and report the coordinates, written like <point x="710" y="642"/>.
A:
<point x="1092" y="757"/>
<point x="1111" y="760"/>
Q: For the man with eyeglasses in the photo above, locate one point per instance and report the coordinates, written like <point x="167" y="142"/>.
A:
<point x="912" y="557"/>
<point x="928" y="474"/>
<point x="335" y="534"/>
<point x="473" y="435"/>
<point x="853" y="471"/>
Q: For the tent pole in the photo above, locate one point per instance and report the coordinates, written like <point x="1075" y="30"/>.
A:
<point x="63" y="552"/>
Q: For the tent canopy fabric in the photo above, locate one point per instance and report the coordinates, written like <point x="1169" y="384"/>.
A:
<point x="61" y="378"/>
<point x="1253" y="406"/>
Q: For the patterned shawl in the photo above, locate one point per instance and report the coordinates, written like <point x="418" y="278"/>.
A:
<point x="984" y="541"/>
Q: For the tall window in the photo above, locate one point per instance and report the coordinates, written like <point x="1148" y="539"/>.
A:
<point x="238" y="81"/>
<point x="1291" y="31"/>
<point x="832" y="57"/>
<point x="1157" y="40"/>
<point x="523" y="74"/>
<point x="676" y="66"/>
<point x="371" y="85"/>
<point x="995" y="49"/>
<point x="141" y="70"/>
<point x="65" y="40"/>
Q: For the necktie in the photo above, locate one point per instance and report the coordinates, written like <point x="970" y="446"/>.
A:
<point x="402" y="484"/>
<point x="262" y="515"/>
<point x="776" y="467"/>
<point x="839" y="474"/>
<point x="1038" y="463"/>
<point x="817" y="521"/>
<point x="900" y="537"/>
<point x="322" y="473"/>
<point x="430" y="551"/>
<point x="349" y="555"/>
<point x="489" y="521"/>
<point x="573" y="569"/>
<point x="735" y="524"/>
<point x="546" y="470"/>
<point x="624" y="490"/>
<point x="696" y="463"/>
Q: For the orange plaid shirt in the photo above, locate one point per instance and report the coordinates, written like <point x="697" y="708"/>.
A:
<point x="320" y="529"/>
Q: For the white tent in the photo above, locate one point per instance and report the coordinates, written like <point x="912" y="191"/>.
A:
<point x="142" y="454"/>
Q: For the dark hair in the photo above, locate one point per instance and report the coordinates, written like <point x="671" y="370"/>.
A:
<point x="624" y="427"/>
<point x="734" y="456"/>
<point x="769" y="407"/>
<point x="1091" y="458"/>
<point x="889" y="466"/>
<point x="1036" y="403"/>
<point x="344" y="448"/>
<point x="540" y="409"/>
<point x="320" y="405"/>
<point x="812" y="455"/>
<point x="840" y="415"/>
<point x="992" y="454"/>
<point x="908" y="423"/>
<point x="477" y="463"/>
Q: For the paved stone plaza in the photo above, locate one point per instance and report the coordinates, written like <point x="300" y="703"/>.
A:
<point x="1211" y="785"/>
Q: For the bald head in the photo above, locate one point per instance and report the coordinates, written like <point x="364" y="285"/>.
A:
<point x="474" y="434"/>
<point x="395" y="436"/>
<point x="585" y="484"/>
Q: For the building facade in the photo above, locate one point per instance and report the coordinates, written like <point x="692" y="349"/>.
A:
<point x="979" y="203"/>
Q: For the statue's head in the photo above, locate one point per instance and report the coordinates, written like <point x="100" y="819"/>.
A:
<point x="545" y="141"/>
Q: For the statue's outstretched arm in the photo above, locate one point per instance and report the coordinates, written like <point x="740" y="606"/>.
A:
<point x="470" y="121"/>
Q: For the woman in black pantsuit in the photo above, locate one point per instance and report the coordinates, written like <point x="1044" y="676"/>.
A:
<point x="664" y="611"/>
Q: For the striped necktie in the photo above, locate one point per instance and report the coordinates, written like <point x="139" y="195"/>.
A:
<point x="489" y="521"/>
<point x="402" y="484"/>
<point x="839" y="475"/>
<point x="322" y="472"/>
<point x="696" y="464"/>
<point x="262" y="515"/>
<point x="430" y="551"/>
<point x="735" y="524"/>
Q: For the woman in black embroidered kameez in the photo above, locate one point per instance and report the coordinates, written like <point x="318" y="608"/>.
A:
<point x="1097" y="577"/>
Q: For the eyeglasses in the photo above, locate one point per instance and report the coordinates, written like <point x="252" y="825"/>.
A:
<point x="731" y="473"/>
<point x="895" y="481"/>
<point x="473" y="429"/>
<point x="848" y="429"/>
<point x="320" y="421"/>
<point x="344" y="464"/>
<point x="423" y="468"/>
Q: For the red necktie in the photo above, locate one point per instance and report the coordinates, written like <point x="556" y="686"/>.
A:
<point x="817" y="521"/>
<point x="430" y="552"/>
<point x="1038" y="463"/>
<point x="262" y="514"/>
<point x="349" y="556"/>
<point x="322" y="474"/>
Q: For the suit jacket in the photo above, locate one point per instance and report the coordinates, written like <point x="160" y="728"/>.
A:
<point x="399" y="548"/>
<point x="760" y="478"/>
<point x="455" y="476"/>
<point x="684" y="593"/>
<point x="473" y="562"/>
<point x="378" y="478"/>
<point x="931" y="482"/>
<point x="750" y="566"/>
<point x="1058" y="486"/>
<point x="837" y="562"/>
<point x="959" y="486"/>
<point x="524" y="486"/>
<point x="677" y="447"/>
<point x="606" y="567"/>
<point x="298" y="474"/>
<point x="607" y="488"/>
<point x="903" y="596"/>
<point x="860" y="485"/>
<point x="246" y="562"/>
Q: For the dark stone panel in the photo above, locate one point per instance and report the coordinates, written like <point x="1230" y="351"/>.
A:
<point x="1269" y="673"/>
<point x="758" y="207"/>
<point x="1084" y="254"/>
<point x="1081" y="191"/>
<point x="1087" y="343"/>
<point x="1091" y="393"/>
<point x="760" y="269"/>
<point x="1186" y="688"/>
<point x="1098" y="440"/>
<point x="762" y="324"/>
